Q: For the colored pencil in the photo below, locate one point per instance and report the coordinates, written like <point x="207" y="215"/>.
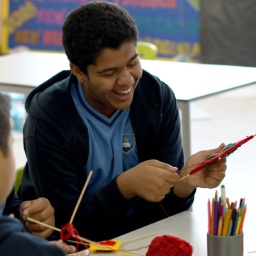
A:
<point x="226" y="222"/>
<point x="209" y="216"/>
<point x="242" y="221"/>
<point x="220" y="225"/>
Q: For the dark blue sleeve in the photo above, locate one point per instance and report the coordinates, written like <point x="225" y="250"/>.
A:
<point x="12" y="205"/>
<point x="14" y="240"/>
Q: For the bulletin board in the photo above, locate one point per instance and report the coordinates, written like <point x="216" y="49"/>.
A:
<point x="4" y="11"/>
<point x="173" y="25"/>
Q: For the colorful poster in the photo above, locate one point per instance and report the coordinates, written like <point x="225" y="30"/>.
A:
<point x="173" y="25"/>
<point x="4" y="5"/>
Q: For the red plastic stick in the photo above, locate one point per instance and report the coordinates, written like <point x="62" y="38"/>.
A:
<point x="217" y="156"/>
<point x="225" y="152"/>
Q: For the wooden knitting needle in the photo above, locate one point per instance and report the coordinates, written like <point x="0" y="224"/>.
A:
<point x="184" y="177"/>
<point x="73" y="215"/>
<point x="43" y="224"/>
<point x="80" y="197"/>
<point x="137" y="238"/>
<point x="57" y="229"/>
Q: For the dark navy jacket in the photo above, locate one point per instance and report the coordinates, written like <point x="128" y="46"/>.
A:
<point x="56" y="145"/>
<point x="12" y="205"/>
<point x="15" y="240"/>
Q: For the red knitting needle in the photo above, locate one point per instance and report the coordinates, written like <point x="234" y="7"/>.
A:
<point x="230" y="148"/>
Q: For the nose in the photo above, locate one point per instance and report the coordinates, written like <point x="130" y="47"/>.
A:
<point x="124" y="77"/>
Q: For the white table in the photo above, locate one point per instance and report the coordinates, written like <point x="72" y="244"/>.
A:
<point x="21" y="72"/>
<point x="185" y="225"/>
<point x="190" y="226"/>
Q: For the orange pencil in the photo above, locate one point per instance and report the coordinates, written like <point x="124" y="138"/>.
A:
<point x="220" y="224"/>
<point x="242" y="220"/>
<point x="209" y="216"/>
<point x="228" y="203"/>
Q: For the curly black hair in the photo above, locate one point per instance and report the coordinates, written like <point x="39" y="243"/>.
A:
<point x="94" y="26"/>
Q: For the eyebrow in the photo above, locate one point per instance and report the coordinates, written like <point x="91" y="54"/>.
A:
<point x="110" y="69"/>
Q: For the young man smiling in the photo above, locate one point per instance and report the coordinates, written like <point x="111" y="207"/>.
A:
<point x="110" y="116"/>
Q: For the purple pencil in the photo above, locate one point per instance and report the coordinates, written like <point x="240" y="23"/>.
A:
<point x="216" y="217"/>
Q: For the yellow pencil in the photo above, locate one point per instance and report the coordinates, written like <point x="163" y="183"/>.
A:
<point x="226" y="222"/>
<point x="238" y="224"/>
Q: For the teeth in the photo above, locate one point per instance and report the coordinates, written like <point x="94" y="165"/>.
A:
<point x="125" y="91"/>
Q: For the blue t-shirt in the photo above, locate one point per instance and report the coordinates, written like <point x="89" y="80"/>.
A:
<point x="112" y="144"/>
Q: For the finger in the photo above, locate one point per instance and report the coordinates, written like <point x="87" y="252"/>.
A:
<point x="220" y="147"/>
<point x="38" y="205"/>
<point x="215" y="178"/>
<point x="39" y="209"/>
<point x="35" y="227"/>
<point x="172" y="179"/>
<point x="85" y="252"/>
<point x="65" y="247"/>
<point x="24" y="205"/>
<point x="221" y="160"/>
<point x="217" y="175"/>
<point x="162" y="165"/>
<point x="217" y="168"/>
<point x="43" y="234"/>
<point x="26" y="213"/>
<point x="217" y="150"/>
<point x="29" y="209"/>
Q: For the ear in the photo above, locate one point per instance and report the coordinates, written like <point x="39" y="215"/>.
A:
<point x="78" y="73"/>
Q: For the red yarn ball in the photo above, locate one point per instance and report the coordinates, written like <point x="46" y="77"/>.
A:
<point x="169" y="246"/>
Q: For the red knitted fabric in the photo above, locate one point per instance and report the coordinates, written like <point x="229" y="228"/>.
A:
<point x="68" y="231"/>
<point x="169" y="246"/>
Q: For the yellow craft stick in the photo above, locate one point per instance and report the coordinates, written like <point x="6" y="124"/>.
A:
<point x="114" y="245"/>
<point x="226" y="222"/>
